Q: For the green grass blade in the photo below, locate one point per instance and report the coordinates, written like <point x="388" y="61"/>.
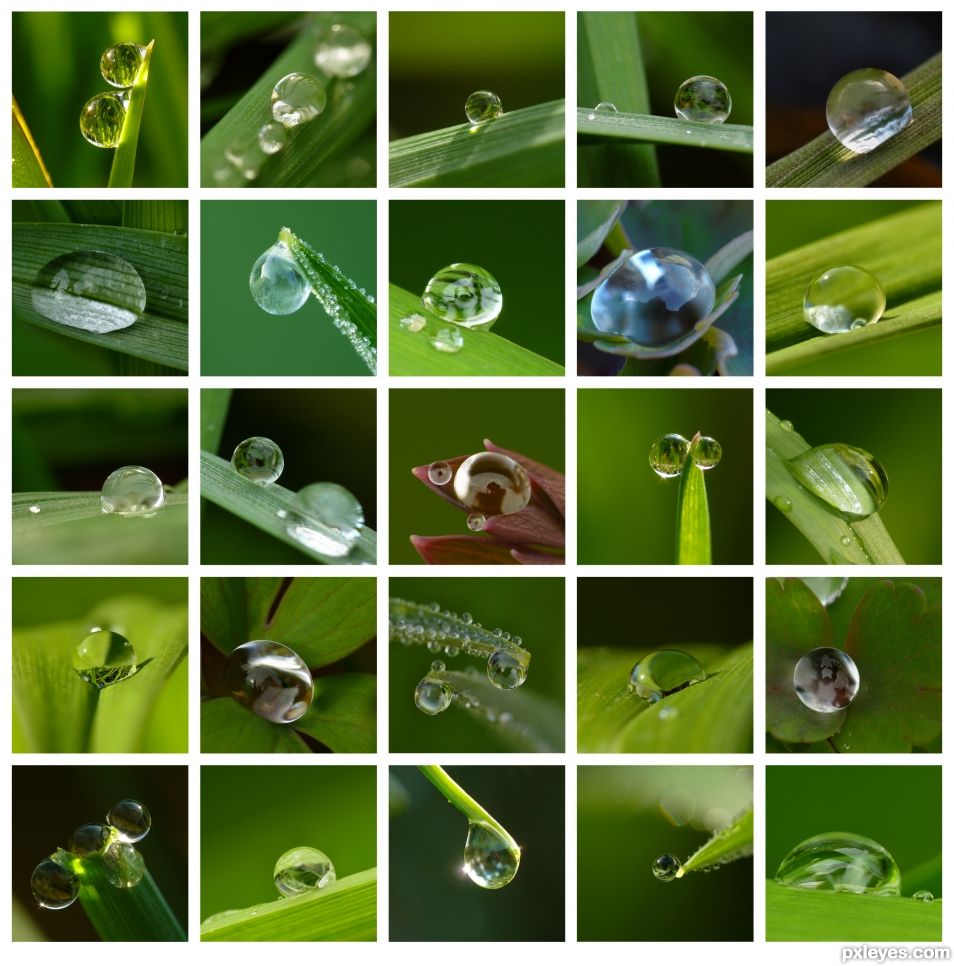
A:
<point x="827" y="163"/>
<point x="838" y="542"/>
<point x="259" y="505"/>
<point x="693" y="540"/>
<point x="610" y="68"/>
<point x="171" y="217"/>
<point x="161" y="334"/>
<point x="726" y="845"/>
<point x="29" y="171"/>
<point x="619" y="126"/>
<point x="343" y="912"/>
<point x="519" y="149"/>
<point x="124" y="157"/>
<point x="215" y="410"/>
<point x="139" y="914"/>
<point x="483" y="353"/>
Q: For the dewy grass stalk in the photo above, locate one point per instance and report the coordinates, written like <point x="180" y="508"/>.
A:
<point x="124" y="157"/>
<point x="138" y="914"/>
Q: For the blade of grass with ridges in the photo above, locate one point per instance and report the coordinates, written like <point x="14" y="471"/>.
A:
<point x="693" y="540"/>
<point x="29" y="171"/>
<point x="124" y="157"/>
<point x="620" y="127"/>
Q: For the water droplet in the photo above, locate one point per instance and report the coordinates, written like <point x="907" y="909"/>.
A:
<point x="490" y="860"/>
<point x="104" y="658"/>
<point x="95" y="291"/>
<point x="666" y="713"/>
<point x="298" y="99"/>
<point x="413" y="323"/>
<point x="826" y="589"/>
<point x="664" y="672"/>
<point x="269" y="679"/>
<point x="482" y="106"/>
<point x="246" y="156"/>
<point x="703" y="98"/>
<point x="282" y="514"/>
<point x="439" y="473"/>
<point x="303" y="870"/>
<point x="130" y="819"/>
<point x="272" y="137"/>
<point x="448" y="339"/>
<point x="922" y="895"/>
<point x="492" y="483"/>
<point x="840" y="862"/>
<point x="866" y="108"/>
<point x="451" y="650"/>
<point x="591" y="116"/>
<point x="666" y="867"/>
<point x="667" y="455"/>
<point x="258" y="459"/>
<point x="124" y="865"/>
<point x="506" y="670"/>
<point x="655" y="298"/>
<point x="786" y="425"/>
<point x="826" y="679"/>
<point x="34" y="508"/>
<point x="120" y="64"/>
<point x="784" y="504"/>
<point x="842" y="299"/>
<point x="467" y="295"/>
<point x="55" y="886"/>
<point x="466" y="618"/>
<point x="102" y="118"/>
<point x="342" y="51"/>
<point x="706" y="452"/>
<point x="438" y="665"/>
<point x="476" y="522"/>
<point x="845" y="477"/>
<point x="846" y="541"/>
<point x="132" y="491"/>
<point x="432" y="697"/>
<point x="277" y="283"/>
<point x="606" y="107"/>
<point x="326" y="518"/>
<point x="89" y="838"/>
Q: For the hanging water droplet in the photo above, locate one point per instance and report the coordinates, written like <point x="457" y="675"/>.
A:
<point x="465" y="294"/>
<point x="492" y="483"/>
<point x="433" y="697"/>
<point x="842" y="299"/>
<point x="94" y="291"/>
<point x="840" y="862"/>
<point x="269" y="679"/>
<point x="490" y="859"/>
<point x="922" y="895"/>
<point x="258" y="459"/>
<point x="276" y="282"/>
<point x="104" y="658"/>
<point x="845" y="477"/>
<point x="89" y="838"/>
<point x="130" y="819"/>
<point x="102" y="118"/>
<point x="272" y="137"/>
<point x="666" y="867"/>
<point x="448" y="339"/>
<point x="54" y="884"/>
<point x="325" y="517"/>
<point x="120" y="63"/>
<point x="482" y="106"/>
<point x="866" y="108"/>
<point x="124" y="865"/>
<point x="826" y="679"/>
<point x="826" y="589"/>
<point x="132" y="491"/>
<point x="664" y="672"/>
<point x="298" y="99"/>
<point x="303" y="870"/>
<point x="706" y="452"/>
<point x="703" y="98"/>
<point x="413" y="323"/>
<point x="667" y="455"/>
<point x="439" y="473"/>
<point x="783" y="503"/>
<point x="506" y="670"/>
<point x="342" y="51"/>
<point x="476" y="522"/>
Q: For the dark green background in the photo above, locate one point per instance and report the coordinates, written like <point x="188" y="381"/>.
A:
<point x="437" y="424"/>
<point x="529" y="607"/>
<point x="428" y="235"/>
<point x="901" y="428"/>
<point x="626" y="513"/>
<point x="238" y="337"/>
<point x="56" y="71"/>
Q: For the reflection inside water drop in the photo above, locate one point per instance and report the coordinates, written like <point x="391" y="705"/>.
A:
<point x="840" y="862"/>
<point x="490" y="860"/>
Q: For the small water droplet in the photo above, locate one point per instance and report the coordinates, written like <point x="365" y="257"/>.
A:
<point x="482" y="106"/>
<point x="466" y="618"/>
<point x="506" y="670"/>
<point x="476" y="522"/>
<point x="492" y="483"/>
<point x="438" y="665"/>
<point x="277" y="283"/>
<point x="413" y="323"/>
<point x="120" y="63"/>
<point x="282" y="514"/>
<point x="840" y="862"/>
<point x="433" y="697"/>
<point x="132" y="491"/>
<point x="272" y="137"/>
<point x="490" y="860"/>
<point x="591" y="116"/>
<point x="826" y="679"/>
<point x="451" y="650"/>
<point x="847" y="478"/>
<point x="664" y="672"/>
<point x="783" y="503"/>
<point x="297" y="99"/>
<point x="786" y="425"/>
<point x="34" y="508"/>
<point x="706" y="452"/>
<point x="922" y="895"/>
<point x="342" y="50"/>
<point x="327" y="518"/>
<point x="606" y="107"/>
<point x="464" y="294"/>
<point x="439" y="473"/>
<point x="130" y="819"/>
<point x="102" y="118"/>
<point x="303" y="869"/>
<point x="846" y="541"/>
<point x="704" y="99"/>
<point x="125" y="866"/>
<point x="258" y="459"/>
<point x="104" y="658"/>
<point x="269" y="679"/>
<point x="668" y="454"/>
<point x="55" y="885"/>
<point x="89" y="839"/>
<point x="434" y="647"/>
<point x="448" y="339"/>
<point x="666" y="867"/>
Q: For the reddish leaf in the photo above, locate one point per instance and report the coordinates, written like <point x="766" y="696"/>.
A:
<point x="462" y="549"/>
<point x="529" y="557"/>
<point x="534" y="525"/>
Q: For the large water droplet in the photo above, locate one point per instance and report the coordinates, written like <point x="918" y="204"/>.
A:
<point x="132" y="491"/>
<point x="826" y="679"/>
<point x="506" y="670"/>
<point x="490" y="860"/>
<point x="130" y="819"/>
<point x="467" y="295"/>
<point x="270" y="680"/>
<point x="120" y="63"/>
<point x="706" y="452"/>
<point x="325" y="517"/>
<point x="492" y="483"/>
<point x="89" y="838"/>
<point x="842" y="299"/>
<point x="668" y="454"/>
<point x="303" y="870"/>
<point x="298" y="99"/>
<point x="432" y="696"/>
<point x="703" y="98"/>
<point x="258" y="459"/>
<point x="277" y="283"/>
<point x="664" y="672"/>
<point x="104" y="658"/>
<point x="124" y="865"/>
<point x="666" y="867"/>
<point x="102" y="118"/>
<point x="95" y="291"/>
<point x="866" y="108"/>
<point x="841" y="862"/>
<point x="845" y="477"/>
<point x="482" y="106"/>
<point x="342" y="51"/>
<point x="55" y="886"/>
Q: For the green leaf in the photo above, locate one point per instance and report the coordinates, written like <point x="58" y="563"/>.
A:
<point x="714" y="716"/>
<point x="160" y="334"/>
<point x="343" y="713"/>
<point x="594" y="220"/>
<point x="29" y="171"/>
<point x="124" y="157"/>
<point x="618" y="126"/>
<point x="260" y="505"/>
<point x="483" y="353"/>
<point x="171" y="217"/>
<point x="733" y="841"/>
<point x="801" y="915"/>
<point x="214" y="412"/>
<point x="519" y="149"/>
<point x="693" y="540"/>
<point x="826" y="162"/>
<point x="729" y="256"/>
<point x="343" y="912"/>
<point x="229" y="728"/>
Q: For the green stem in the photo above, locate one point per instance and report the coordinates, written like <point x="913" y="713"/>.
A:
<point x="726" y="845"/>
<point x="693" y="536"/>
<point x="472" y="810"/>
<point x="124" y="157"/>
<point x="89" y="720"/>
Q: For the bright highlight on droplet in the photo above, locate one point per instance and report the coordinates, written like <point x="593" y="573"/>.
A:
<point x="492" y="484"/>
<point x="130" y="820"/>
<point x="55" y="886"/>
<point x="490" y="860"/>
<point x="276" y="282"/>
<point x="342" y="51"/>
<point x="666" y="867"/>
<point x="297" y="99"/>
<point x="866" y="108"/>
<point x="104" y="658"/>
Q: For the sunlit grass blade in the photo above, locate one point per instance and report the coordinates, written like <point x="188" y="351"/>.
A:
<point x="215" y="410"/>
<point x="520" y="149"/>
<point x="29" y="171"/>
<point x="466" y="804"/>
<point x="693" y="540"/>
<point x="727" y="844"/>
<point x="124" y="156"/>
<point x="619" y="126"/>
<point x="827" y="163"/>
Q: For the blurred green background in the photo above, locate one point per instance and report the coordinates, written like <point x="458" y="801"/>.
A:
<point x="627" y="816"/>
<point x="530" y="607"/>
<point x="897" y="806"/>
<point x="56" y="71"/>
<point x="434" y="424"/>
<point x="431" y="897"/>
<point x="326" y="435"/>
<point x="50" y="801"/>
<point x="252" y="815"/>
<point x="627" y="514"/>
<point x="792" y="224"/>
<point x="436" y="60"/>
<point x="427" y="235"/>
<point x="901" y="428"/>
<point x="241" y="339"/>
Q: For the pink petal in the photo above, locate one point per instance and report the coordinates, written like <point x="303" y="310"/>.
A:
<point x="537" y="524"/>
<point x="462" y="549"/>
<point x="529" y="557"/>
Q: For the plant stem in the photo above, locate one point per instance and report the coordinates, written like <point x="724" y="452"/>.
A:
<point x="124" y="157"/>
<point x="472" y="810"/>
<point x="693" y="538"/>
<point x="89" y="721"/>
<point x="726" y="845"/>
